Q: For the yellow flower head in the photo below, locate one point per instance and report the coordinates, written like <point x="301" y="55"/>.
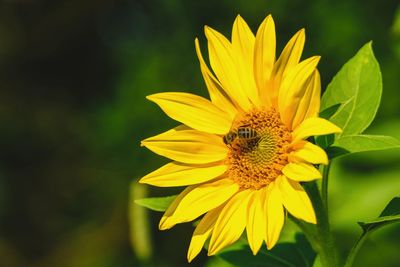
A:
<point x="243" y="154"/>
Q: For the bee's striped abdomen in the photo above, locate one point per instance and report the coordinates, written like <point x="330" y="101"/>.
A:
<point x="246" y="133"/>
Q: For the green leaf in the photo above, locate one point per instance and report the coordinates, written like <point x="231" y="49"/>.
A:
<point x="392" y="209"/>
<point x="328" y="112"/>
<point x="390" y="214"/>
<point x="358" y="88"/>
<point x="324" y="141"/>
<point x="360" y="143"/>
<point x="285" y="254"/>
<point x="351" y="102"/>
<point x="156" y="203"/>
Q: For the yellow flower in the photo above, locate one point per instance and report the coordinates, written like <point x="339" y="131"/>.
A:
<point x="243" y="154"/>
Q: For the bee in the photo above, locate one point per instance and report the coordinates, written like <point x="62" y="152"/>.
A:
<point x="242" y="133"/>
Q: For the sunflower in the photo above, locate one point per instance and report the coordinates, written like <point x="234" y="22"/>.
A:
<point x="244" y="153"/>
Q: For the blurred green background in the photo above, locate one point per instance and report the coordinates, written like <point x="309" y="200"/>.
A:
<point x="73" y="79"/>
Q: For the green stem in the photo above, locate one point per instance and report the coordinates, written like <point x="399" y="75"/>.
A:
<point x="324" y="187"/>
<point x="325" y="244"/>
<point x="354" y="250"/>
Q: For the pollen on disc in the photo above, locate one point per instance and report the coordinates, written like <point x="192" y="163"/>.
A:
<point x="256" y="162"/>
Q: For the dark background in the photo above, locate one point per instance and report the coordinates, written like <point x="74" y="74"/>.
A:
<point x="73" y="80"/>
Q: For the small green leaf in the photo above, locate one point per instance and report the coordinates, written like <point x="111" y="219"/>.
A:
<point x="360" y="143"/>
<point x="285" y="254"/>
<point x="390" y="214"/>
<point x="393" y="208"/>
<point x="357" y="88"/>
<point x="156" y="203"/>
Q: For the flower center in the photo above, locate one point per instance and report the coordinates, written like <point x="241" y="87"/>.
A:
<point x="258" y="143"/>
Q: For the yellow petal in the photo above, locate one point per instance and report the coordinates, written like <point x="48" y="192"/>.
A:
<point x="181" y="174"/>
<point x="310" y="103"/>
<point x="230" y="224"/>
<point x="289" y="58"/>
<point x="264" y="57"/>
<point x="301" y="172"/>
<point x="202" y="232"/>
<point x="201" y="199"/>
<point x="243" y="46"/>
<point x="314" y="126"/>
<point x="309" y="152"/>
<point x="315" y="102"/>
<point x="171" y="209"/>
<point x="193" y="111"/>
<point x="224" y="66"/>
<point x="291" y="54"/>
<point x="273" y="210"/>
<point x="188" y="146"/>
<point x="296" y="200"/>
<point x="293" y="88"/>
<point x="217" y="93"/>
<point x="255" y="222"/>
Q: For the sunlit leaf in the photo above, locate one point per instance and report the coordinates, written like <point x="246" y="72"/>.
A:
<point x="156" y="203"/>
<point x="360" y="143"/>
<point x="358" y="88"/>
<point x="351" y="102"/>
